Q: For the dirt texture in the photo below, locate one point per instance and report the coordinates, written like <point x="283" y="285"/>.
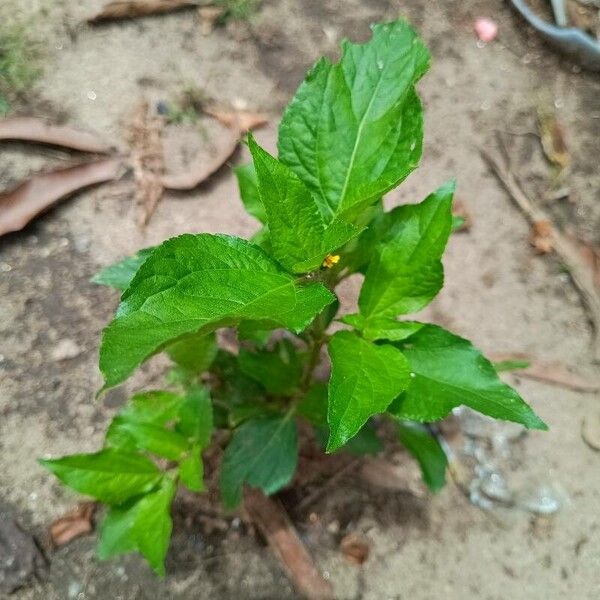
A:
<point x="498" y="292"/>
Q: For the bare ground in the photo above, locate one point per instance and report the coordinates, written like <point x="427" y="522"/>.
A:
<point x="498" y="293"/>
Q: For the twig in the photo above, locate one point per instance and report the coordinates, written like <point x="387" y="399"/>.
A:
<point x="273" y="522"/>
<point x="581" y="276"/>
<point x="320" y="490"/>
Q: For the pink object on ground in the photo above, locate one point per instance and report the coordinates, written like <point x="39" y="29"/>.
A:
<point x="486" y="29"/>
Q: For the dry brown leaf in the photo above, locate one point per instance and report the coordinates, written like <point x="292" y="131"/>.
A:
<point x="40" y="192"/>
<point x="128" y="9"/>
<point x="74" y="524"/>
<point x="590" y="430"/>
<point x="275" y="525"/>
<point x="355" y="548"/>
<point x="147" y="160"/>
<point x="30" y="129"/>
<point x="202" y="170"/>
<point x="541" y="236"/>
<point x="553" y="139"/>
<point x="208" y="16"/>
<point x="244" y="120"/>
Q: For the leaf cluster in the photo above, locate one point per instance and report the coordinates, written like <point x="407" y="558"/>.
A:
<point x="353" y="131"/>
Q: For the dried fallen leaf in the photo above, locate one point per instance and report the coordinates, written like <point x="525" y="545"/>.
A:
<point x="128" y="9"/>
<point x="209" y="16"/>
<point x="541" y="236"/>
<point x="146" y="160"/>
<point x="74" y="524"/>
<point x="30" y="198"/>
<point x="553" y="139"/>
<point x="201" y="170"/>
<point x="29" y="129"/>
<point x="590" y="431"/>
<point x="354" y="548"/>
<point x="244" y="120"/>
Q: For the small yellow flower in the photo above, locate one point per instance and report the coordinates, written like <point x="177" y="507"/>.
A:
<point x="330" y="260"/>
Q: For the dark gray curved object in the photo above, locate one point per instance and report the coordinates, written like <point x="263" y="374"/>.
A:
<point x="570" y="41"/>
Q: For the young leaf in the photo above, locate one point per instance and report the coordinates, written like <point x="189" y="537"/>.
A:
<point x="262" y="453"/>
<point x="196" y="417"/>
<point x="248" y="184"/>
<point x="145" y="436"/>
<point x="354" y="130"/>
<point x="157" y="407"/>
<point x="427" y="452"/>
<point x="110" y="476"/>
<point x="365" y="378"/>
<point x="191" y="470"/>
<point x="299" y="238"/>
<point x="511" y="365"/>
<point x="196" y="284"/>
<point x="144" y="524"/>
<point x="406" y="273"/>
<point x="449" y="371"/>
<point x="384" y="328"/>
<point x="194" y="354"/>
<point x="278" y="371"/>
<point x="120" y="274"/>
<point x="154" y="408"/>
<point x="114" y="536"/>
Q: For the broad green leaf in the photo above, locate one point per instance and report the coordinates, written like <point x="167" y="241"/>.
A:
<point x="157" y="407"/>
<point x="143" y="524"/>
<point x="196" y="417"/>
<point x="153" y="525"/>
<point x="194" y="354"/>
<point x="196" y="284"/>
<point x="114" y="536"/>
<point x="366" y="441"/>
<point x="145" y="436"/>
<point x="354" y="129"/>
<point x="252" y="331"/>
<point x="406" y="272"/>
<point x="449" y="371"/>
<point x="299" y="238"/>
<point x="191" y="470"/>
<point x="384" y="328"/>
<point x="427" y="452"/>
<point x="110" y="476"/>
<point x="365" y="378"/>
<point x="248" y="184"/>
<point x="278" y="370"/>
<point x="262" y="453"/>
<point x="313" y="406"/>
<point x="120" y="274"/>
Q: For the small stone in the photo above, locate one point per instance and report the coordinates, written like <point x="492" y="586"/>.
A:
<point x="65" y="350"/>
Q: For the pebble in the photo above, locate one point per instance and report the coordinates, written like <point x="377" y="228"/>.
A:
<point x="65" y="350"/>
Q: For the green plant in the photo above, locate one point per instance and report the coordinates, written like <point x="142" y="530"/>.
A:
<point x="353" y="132"/>
<point x="18" y="70"/>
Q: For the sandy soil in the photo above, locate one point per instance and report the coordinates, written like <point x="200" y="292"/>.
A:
<point x="498" y="293"/>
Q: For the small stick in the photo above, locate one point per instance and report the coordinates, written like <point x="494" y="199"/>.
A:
<point x="272" y="520"/>
<point x="320" y="490"/>
<point x="581" y="276"/>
